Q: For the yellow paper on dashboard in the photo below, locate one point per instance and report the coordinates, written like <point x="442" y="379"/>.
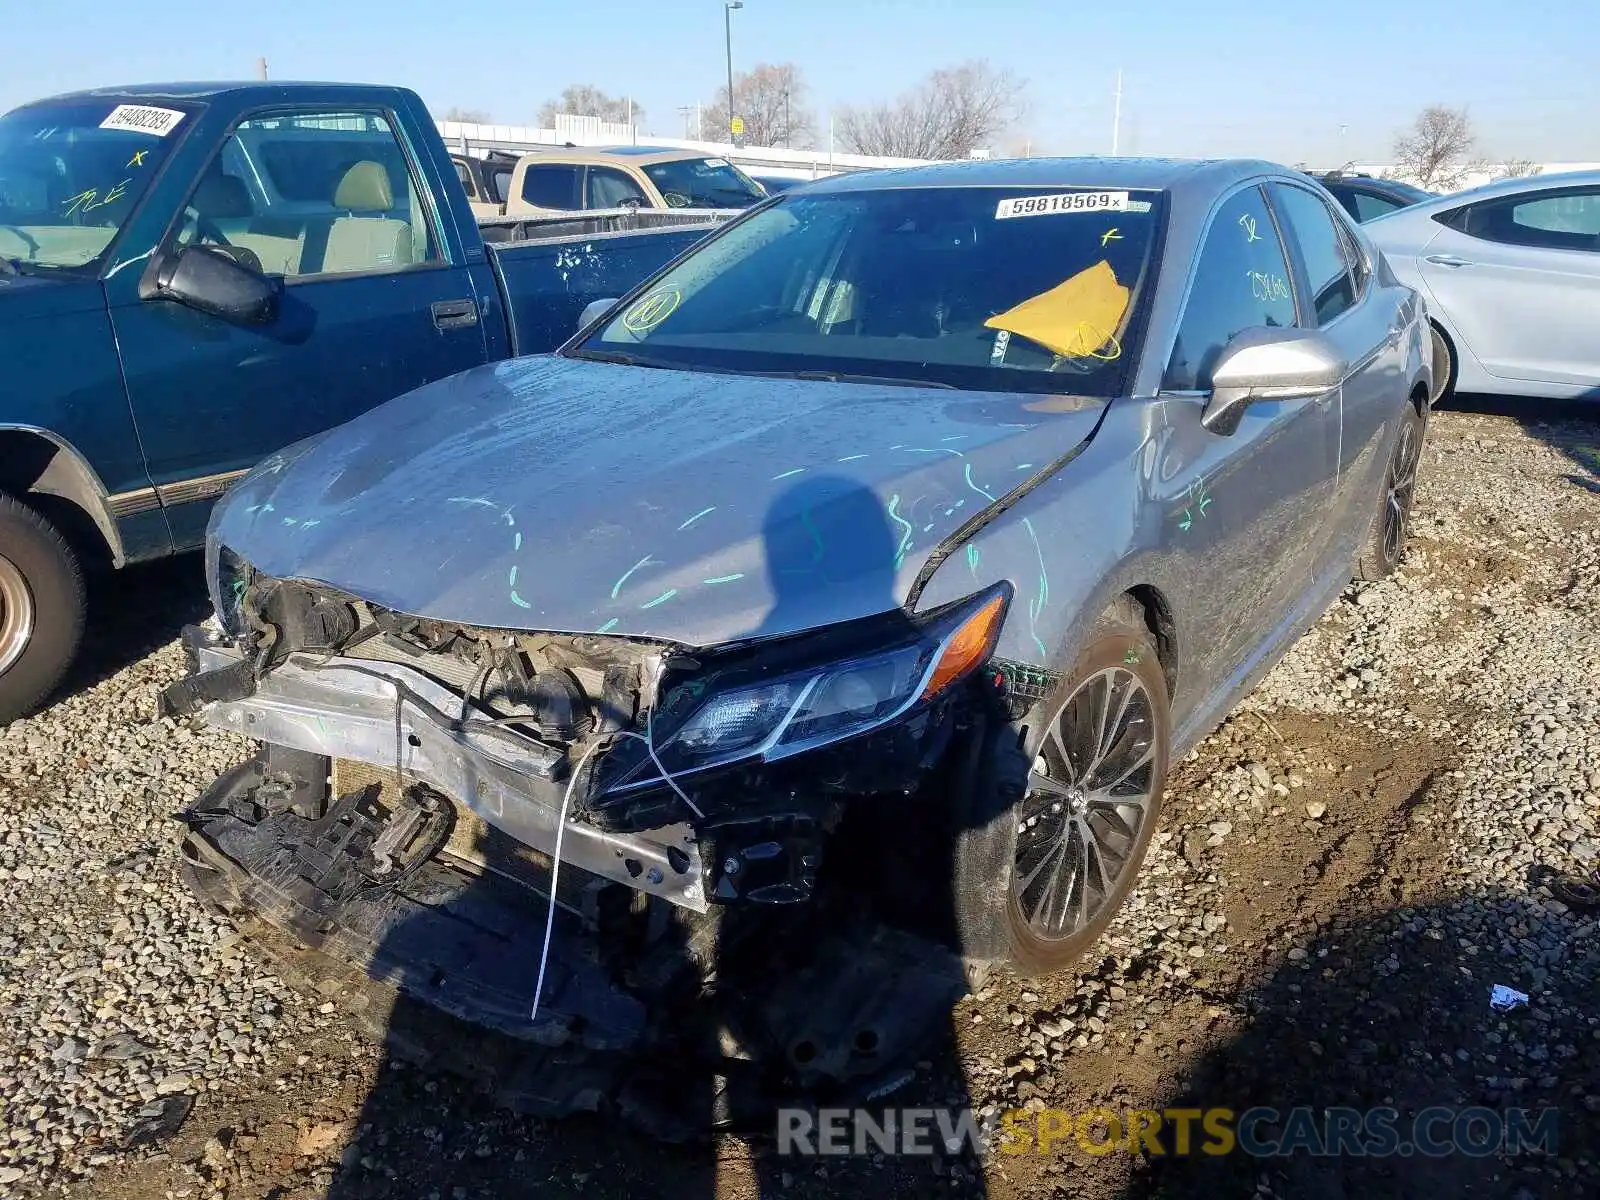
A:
<point x="1075" y="319"/>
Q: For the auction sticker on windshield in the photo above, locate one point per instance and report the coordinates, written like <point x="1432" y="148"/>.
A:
<point x="1065" y="202"/>
<point x="141" y="118"/>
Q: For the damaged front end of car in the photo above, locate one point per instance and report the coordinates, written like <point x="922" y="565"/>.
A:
<point x="428" y="793"/>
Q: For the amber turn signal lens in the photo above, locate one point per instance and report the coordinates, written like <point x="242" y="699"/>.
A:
<point x="967" y="647"/>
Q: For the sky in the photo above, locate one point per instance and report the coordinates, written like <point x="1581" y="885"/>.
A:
<point x="1331" y="83"/>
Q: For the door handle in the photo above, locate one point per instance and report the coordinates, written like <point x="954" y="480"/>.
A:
<point x="1448" y="260"/>
<point x="454" y="314"/>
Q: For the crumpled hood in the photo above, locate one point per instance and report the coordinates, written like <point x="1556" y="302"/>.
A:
<point x="564" y="495"/>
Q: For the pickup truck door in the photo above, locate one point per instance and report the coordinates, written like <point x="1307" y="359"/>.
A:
<point x="375" y="302"/>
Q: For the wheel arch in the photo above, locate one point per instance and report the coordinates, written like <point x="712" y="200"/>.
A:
<point x="1446" y="358"/>
<point x="48" y="473"/>
<point x="1157" y="613"/>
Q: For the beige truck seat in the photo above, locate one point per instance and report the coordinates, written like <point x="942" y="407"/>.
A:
<point x="224" y="201"/>
<point x="366" y="243"/>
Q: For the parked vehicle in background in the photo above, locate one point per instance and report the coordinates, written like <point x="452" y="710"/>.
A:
<point x="485" y="179"/>
<point x="905" y="529"/>
<point x="773" y="184"/>
<point x="192" y="276"/>
<point x="645" y="177"/>
<point x="1511" y="272"/>
<point x="1365" y="197"/>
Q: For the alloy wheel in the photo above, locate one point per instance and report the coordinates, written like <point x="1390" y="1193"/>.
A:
<point x="1402" y="480"/>
<point x="1089" y="796"/>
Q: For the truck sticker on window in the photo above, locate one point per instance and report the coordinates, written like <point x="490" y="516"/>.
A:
<point x="141" y="118"/>
<point x="1064" y="202"/>
<point x="649" y="311"/>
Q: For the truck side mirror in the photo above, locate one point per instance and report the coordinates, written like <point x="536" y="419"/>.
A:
<point x="209" y="280"/>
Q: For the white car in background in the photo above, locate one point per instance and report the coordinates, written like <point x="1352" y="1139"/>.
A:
<point x="1511" y="274"/>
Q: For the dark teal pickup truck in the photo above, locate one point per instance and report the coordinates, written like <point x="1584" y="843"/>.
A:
<point x="194" y="275"/>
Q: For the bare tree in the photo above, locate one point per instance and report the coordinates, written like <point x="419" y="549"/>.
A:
<point x="1433" y="151"/>
<point x="949" y="115"/>
<point x="585" y="100"/>
<point x="1517" y="168"/>
<point x="771" y="99"/>
<point x="467" y="116"/>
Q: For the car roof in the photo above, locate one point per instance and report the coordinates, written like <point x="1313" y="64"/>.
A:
<point x="205" y="90"/>
<point x="1176" y="175"/>
<point x="1512" y="187"/>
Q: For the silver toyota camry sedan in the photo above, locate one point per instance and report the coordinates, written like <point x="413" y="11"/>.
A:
<point x="1511" y="273"/>
<point x="885" y="547"/>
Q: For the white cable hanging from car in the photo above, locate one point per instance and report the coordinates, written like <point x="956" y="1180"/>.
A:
<point x="648" y="738"/>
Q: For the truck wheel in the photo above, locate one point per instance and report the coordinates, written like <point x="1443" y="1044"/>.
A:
<point x="41" y="608"/>
<point x="1386" y="538"/>
<point x="1055" y="865"/>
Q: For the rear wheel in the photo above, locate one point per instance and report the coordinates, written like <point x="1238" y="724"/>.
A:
<point x="41" y="608"/>
<point x="1444" y="364"/>
<point x="1386" y="539"/>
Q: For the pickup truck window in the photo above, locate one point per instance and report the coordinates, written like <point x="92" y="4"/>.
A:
<point x="704" y="183"/>
<point x="1004" y="289"/>
<point x="71" y="173"/>
<point x="312" y="194"/>
<point x="610" y="188"/>
<point x="550" y="185"/>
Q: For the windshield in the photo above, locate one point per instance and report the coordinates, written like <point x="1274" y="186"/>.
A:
<point x="997" y="289"/>
<point x="71" y="173"/>
<point x="704" y="183"/>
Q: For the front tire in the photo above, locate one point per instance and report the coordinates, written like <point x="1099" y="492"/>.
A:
<point x="1056" y="864"/>
<point x="41" y="608"/>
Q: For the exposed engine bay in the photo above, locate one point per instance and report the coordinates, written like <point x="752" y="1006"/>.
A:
<point x="429" y="794"/>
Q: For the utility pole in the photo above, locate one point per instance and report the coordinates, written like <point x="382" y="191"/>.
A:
<point x="1116" y="113"/>
<point x="261" y="68"/>
<point x="727" y="30"/>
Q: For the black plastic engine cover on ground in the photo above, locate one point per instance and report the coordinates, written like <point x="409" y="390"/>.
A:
<point x="468" y="945"/>
<point x="710" y="1023"/>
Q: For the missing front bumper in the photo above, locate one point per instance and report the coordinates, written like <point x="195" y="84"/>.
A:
<point x="391" y="716"/>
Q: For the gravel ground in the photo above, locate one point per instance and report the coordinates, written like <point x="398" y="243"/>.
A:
<point x="1344" y="870"/>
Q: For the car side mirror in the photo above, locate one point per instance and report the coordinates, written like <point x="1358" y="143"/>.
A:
<point x="1267" y="363"/>
<point x="594" y="310"/>
<point x="211" y="281"/>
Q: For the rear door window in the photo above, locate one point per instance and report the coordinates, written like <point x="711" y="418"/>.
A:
<point x="1316" y="240"/>
<point x="1567" y="220"/>
<point x="551" y="185"/>
<point x="608" y="187"/>
<point x="1241" y="281"/>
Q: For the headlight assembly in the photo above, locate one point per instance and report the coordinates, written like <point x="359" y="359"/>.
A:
<point x="227" y="577"/>
<point x="745" y="713"/>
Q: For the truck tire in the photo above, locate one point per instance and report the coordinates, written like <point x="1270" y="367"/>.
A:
<point x="1030" y="887"/>
<point x="41" y="608"/>
<point x="1385" y="540"/>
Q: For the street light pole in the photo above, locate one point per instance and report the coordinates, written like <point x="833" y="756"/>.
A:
<point x="727" y="29"/>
